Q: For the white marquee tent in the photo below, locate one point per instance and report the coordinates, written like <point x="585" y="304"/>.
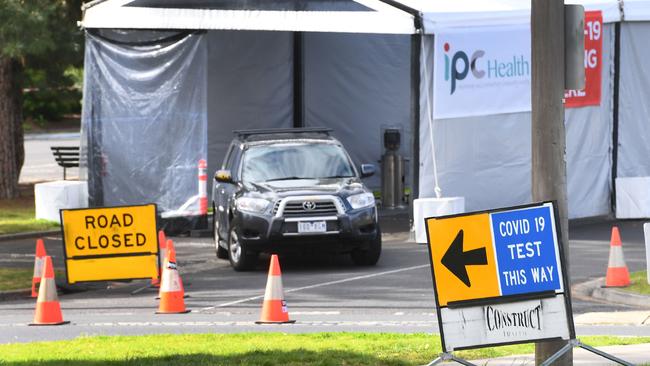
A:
<point x="168" y="80"/>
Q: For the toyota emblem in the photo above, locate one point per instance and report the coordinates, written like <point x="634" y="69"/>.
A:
<point x="309" y="205"/>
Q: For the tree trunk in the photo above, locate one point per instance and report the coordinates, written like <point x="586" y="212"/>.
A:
<point x="12" y="152"/>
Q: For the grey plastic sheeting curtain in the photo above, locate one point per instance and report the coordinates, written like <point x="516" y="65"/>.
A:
<point x="144" y="117"/>
<point x="634" y="101"/>
<point x="358" y="85"/>
<point x="487" y="159"/>
<point x="250" y="85"/>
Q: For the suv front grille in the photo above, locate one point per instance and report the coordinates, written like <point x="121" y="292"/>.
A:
<point x="296" y="209"/>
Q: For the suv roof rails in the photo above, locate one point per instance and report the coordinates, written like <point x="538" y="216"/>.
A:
<point x="244" y="134"/>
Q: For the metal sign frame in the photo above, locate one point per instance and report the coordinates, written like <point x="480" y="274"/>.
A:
<point x="65" y="250"/>
<point x="508" y="298"/>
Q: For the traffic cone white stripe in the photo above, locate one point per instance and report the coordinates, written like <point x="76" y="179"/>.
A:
<point x="616" y="257"/>
<point x="49" y="295"/>
<point x="274" y="290"/>
<point x="38" y="267"/>
<point x="170" y="280"/>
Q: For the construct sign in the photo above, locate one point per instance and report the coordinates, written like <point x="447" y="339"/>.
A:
<point x="110" y="243"/>
<point x="498" y="277"/>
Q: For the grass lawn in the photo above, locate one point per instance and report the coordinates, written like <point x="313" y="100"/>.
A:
<point x="19" y="279"/>
<point x="256" y="349"/>
<point x="17" y="216"/>
<point x="639" y="283"/>
<point x="15" y="278"/>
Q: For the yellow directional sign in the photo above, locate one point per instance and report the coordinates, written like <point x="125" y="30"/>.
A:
<point x="463" y="258"/>
<point x="110" y="243"/>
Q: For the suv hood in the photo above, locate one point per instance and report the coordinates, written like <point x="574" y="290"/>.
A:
<point x="298" y="187"/>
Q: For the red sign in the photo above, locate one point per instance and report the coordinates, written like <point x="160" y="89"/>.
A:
<point x="590" y="95"/>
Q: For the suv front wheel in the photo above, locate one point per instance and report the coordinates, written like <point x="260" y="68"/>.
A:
<point x="368" y="256"/>
<point x="240" y="259"/>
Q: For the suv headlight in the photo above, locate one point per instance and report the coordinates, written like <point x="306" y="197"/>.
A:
<point x="257" y="205"/>
<point x="361" y="200"/>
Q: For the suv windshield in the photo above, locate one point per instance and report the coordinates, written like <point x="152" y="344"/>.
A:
<point x="295" y="161"/>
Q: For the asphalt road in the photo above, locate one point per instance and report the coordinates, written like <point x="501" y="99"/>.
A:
<point x="324" y="293"/>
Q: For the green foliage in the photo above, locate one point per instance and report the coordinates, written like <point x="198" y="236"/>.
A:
<point x="44" y="102"/>
<point x="27" y="27"/>
<point x="44" y="36"/>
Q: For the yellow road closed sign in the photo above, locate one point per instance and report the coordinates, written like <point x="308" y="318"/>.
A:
<point x="111" y="243"/>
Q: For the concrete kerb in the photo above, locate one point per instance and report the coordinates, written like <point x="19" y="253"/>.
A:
<point x="15" y="294"/>
<point x="594" y="289"/>
<point x="28" y="235"/>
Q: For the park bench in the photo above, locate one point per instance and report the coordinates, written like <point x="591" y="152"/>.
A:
<point x="66" y="157"/>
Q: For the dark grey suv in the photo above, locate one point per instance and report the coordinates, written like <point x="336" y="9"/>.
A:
<point x="292" y="190"/>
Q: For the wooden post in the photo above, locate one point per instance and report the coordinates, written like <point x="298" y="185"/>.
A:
<point x="548" y="135"/>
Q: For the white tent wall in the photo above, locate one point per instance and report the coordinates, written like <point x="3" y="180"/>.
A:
<point x="487" y="159"/>
<point x="250" y="85"/>
<point x="141" y="88"/>
<point x="589" y="144"/>
<point x="356" y="84"/>
<point x="634" y="105"/>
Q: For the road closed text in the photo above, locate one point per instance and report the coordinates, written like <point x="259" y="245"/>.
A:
<point x="104" y="241"/>
<point x="110" y="231"/>
<point x="115" y="241"/>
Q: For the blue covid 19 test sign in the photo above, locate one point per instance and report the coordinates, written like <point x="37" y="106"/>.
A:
<point x="526" y="251"/>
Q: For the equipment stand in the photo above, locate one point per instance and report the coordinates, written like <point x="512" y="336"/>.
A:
<point x="447" y="356"/>
<point x="576" y="343"/>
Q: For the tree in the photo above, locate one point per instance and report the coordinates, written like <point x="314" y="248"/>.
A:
<point x="31" y="31"/>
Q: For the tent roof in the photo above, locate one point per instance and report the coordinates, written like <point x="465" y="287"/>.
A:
<point x="636" y="10"/>
<point x="352" y="16"/>
<point x="444" y="13"/>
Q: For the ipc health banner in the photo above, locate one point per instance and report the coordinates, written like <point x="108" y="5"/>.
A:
<point x="482" y="71"/>
<point x="487" y="70"/>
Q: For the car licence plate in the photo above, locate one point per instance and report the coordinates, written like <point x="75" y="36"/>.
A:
<point x="312" y="227"/>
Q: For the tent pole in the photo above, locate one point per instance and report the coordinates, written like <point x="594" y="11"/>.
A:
<point x="416" y="51"/>
<point x="615" y="123"/>
<point x="298" y="81"/>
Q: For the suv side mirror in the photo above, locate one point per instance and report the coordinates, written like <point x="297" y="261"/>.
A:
<point x="367" y="170"/>
<point x="223" y="176"/>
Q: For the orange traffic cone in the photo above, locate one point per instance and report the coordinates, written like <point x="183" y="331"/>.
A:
<point x="617" y="273"/>
<point x="48" y="309"/>
<point x="170" y="247"/>
<point x="274" y="310"/>
<point x="38" y="265"/>
<point x="162" y="248"/>
<point x="171" y="291"/>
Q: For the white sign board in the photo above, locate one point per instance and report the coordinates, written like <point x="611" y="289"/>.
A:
<point x="482" y="71"/>
<point x="521" y="321"/>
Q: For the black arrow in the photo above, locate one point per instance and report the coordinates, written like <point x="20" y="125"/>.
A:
<point x="456" y="260"/>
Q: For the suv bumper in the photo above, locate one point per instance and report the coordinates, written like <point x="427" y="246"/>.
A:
<point x="344" y="233"/>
